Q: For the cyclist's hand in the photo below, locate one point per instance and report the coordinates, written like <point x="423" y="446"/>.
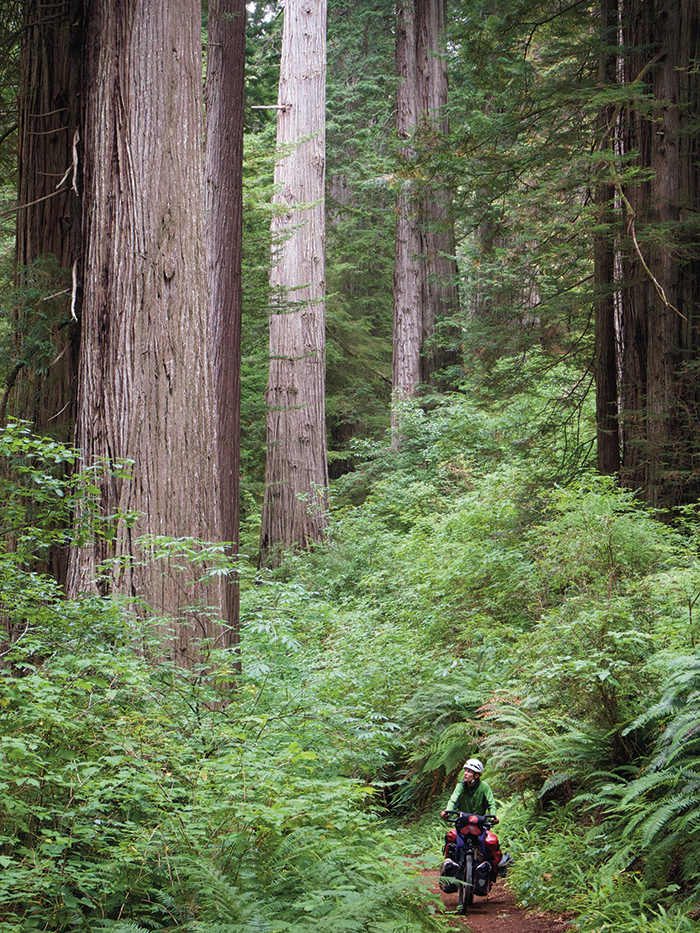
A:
<point x="443" y="815"/>
<point x="494" y="821"/>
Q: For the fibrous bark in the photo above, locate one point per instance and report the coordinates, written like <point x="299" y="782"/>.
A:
<point x="224" y="208"/>
<point x="661" y="263"/>
<point x="425" y="292"/>
<point x="606" y="324"/>
<point x="146" y="384"/>
<point x="296" y="478"/>
<point x="48" y="222"/>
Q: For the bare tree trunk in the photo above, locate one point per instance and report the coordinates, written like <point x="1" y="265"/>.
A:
<point x="296" y="478"/>
<point x="49" y="115"/>
<point x="146" y="383"/>
<point x="224" y="190"/>
<point x="439" y="269"/>
<point x="41" y="385"/>
<point x="408" y="271"/>
<point x="425" y="291"/>
<point x="661" y="308"/>
<point x="606" y="356"/>
<point x="44" y="391"/>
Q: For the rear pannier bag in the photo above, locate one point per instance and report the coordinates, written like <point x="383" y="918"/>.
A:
<point x="492" y="850"/>
<point x="449" y="870"/>
<point x="481" y="879"/>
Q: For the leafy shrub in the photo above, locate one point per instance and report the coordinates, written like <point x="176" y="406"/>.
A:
<point x="594" y="535"/>
<point x="141" y="796"/>
<point x="131" y="793"/>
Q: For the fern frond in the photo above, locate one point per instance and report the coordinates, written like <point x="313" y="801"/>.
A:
<point x="633" y="822"/>
<point x="255" y="925"/>
<point x="456" y="742"/>
<point x="445" y="700"/>
<point x="556" y="780"/>
<point x="689" y="823"/>
<point x="258" y="925"/>
<point x="120" y="926"/>
<point x="217" y="895"/>
<point x="659" y="711"/>
<point x="655" y="825"/>
<point x="652" y="780"/>
<point x="686" y="720"/>
<point x="299" y="839"/>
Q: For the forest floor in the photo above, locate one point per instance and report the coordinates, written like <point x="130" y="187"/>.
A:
<point x="496" y="913"/>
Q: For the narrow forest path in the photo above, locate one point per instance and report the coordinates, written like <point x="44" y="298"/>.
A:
<point x="495" y="914"/>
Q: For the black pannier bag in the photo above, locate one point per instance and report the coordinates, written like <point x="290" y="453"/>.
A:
<point x="481" y="879"/>
<point x="449" y="870"/>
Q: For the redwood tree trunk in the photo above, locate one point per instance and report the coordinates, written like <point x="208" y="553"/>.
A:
<point x="296" y="477"/>
<point x="49" y="115"/>
<point x="425" y="291"/>
<point x="49" y="226"/>
<point x="661" y="304"/>
<point x="439" y="269"/>
<point x="224" y="190"/>
<point x="606" y="331"/>
<point x="146" y="383"/>
<point x="408" y="265"/>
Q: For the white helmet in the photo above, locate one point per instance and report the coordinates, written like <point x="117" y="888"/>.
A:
<point x="474" y="765"/>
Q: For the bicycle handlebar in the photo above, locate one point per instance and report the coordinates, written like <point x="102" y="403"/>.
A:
<point x="451" y="816"/>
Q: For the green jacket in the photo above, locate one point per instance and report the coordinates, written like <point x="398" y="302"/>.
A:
<point x="477" y="799"/>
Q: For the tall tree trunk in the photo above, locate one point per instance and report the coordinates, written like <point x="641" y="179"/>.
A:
<point x="425" y="292"/>
<point x="439" y="269"/>
<point x="408" y="271"/>
<point x="606" y="355"/>
<point x="296" y="477"/>
<point x="44" y="390"/>
<point x="661" y="307"/>
<point x="224" y="191"/>
<point x="146" y="383"/>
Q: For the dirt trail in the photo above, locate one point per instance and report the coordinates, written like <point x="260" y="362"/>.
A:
<point x="497" y="913"/>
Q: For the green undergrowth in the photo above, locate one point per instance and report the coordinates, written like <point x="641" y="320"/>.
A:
<point x="135" y="795"/>
<point x="568" y="866"/>
<point x="543" y="623"/>
<point x="470" y="600"/>
<point x="141" y="794"/>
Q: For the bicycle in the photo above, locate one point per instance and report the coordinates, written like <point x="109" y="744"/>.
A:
<point x="476" y="848"/>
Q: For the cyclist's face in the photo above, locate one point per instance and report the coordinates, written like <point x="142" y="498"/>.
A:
<point x="469" y="775"/>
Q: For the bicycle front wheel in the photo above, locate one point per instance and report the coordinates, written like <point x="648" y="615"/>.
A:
<point x="466" y="875"/>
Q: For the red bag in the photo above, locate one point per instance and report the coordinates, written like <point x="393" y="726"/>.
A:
<point x="451" y="844"/>
<point x="473" y="826"/>
<point x="492" y="850"/>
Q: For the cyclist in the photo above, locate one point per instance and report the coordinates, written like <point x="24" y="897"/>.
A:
<point x="472" y="795"/>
